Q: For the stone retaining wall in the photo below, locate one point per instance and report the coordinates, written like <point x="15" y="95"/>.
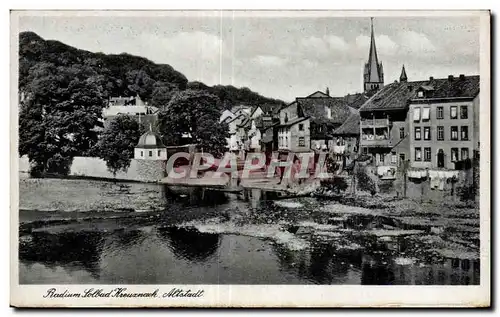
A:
<point x="139" y="170"/>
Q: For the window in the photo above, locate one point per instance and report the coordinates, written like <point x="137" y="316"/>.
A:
<point x="286" y="141"/>
<point x="463" y="112"/>
<point x="416" y="114"/>
<point x="159" y="152"/>
<point x="427" y="154"/>
<point x="365" y="150"/>
<point x="418" y="132"/>
<point x="426" y="114"/>
<point x="440" y="133"/>
<point x="402" y="158"/>
<point x="394" y="158"/>
<point x="302" y="141"/>
<point x="454" y="133"/>
<point x="301" y="127"/>
<point x="464" y="133"/>
<point x="427" y="133"/>
<point x="453" y="112"/>
<point x="439" y="113"/>
<point x="465" y="153"/>
<point x="418" y="154"/>
<point x="150" y="153"/>
<point x="420" y="94"/>
<point x="401" y="133"/>
<point x="142" y="153"/>
<point x="454" y="154"/>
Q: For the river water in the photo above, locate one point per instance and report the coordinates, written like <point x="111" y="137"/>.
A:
<point x="209" y="237"/>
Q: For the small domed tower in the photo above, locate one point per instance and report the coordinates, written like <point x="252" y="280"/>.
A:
<point x="150" y="147"/>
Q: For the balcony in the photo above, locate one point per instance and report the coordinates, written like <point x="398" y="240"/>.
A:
<point x="379" y="141"/>
<point x="371" y="123"/>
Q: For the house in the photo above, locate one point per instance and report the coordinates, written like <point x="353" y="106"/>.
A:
<point x="293" y="129"/>
<point x="236" y="131"/>
<point x="384" y="126"/>
<point x="444" y="122"/>
<point x="226" y="115"/>
<point x="345" y="140"/>
<point x="326" y="114"/>
<point x="131" y="106"/>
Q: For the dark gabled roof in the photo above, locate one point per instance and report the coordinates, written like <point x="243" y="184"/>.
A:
<point x="350" y="126"/>
<point x="264" y="122"/>
<point x="356" y="100"/>
<point x="244" y="123"/>
<point x="394" y="96"/>
<point x="315" y="108"/>
<point x="236" y="117"/>
<point x="294" y="121"/>
<point x="397" y="95"/>
<point x="318" y="94"/>
<point x="456" y="87"/>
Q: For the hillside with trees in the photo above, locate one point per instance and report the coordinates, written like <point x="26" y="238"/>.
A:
<point x="64" y="89"/>
<point x="123" y="74"/>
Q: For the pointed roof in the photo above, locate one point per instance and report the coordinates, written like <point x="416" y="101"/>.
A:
<point x="373" y="71"/>
<point x="403" y="76"/>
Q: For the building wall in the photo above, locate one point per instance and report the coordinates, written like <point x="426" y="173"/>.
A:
<point x="447" y="144"/>
<point x="291" y="137"/>
<point x="150" y="154"/>
<point x="144" y="120"/>
<point x="476" y="122"/>
<point x="290" y="110"/>
<point x="139" y="170"/>
<point x="397" y="149"/>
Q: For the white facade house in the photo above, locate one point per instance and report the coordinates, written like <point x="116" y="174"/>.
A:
<point x="150" y="147"/>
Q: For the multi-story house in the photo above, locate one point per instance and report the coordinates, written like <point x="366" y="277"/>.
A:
<point x="131" y="106"/>
<point x="293" y="129"/>
<point x="384" y="126"/>
<point x="346" y="140"/>
<point x="444" y="122"/>
<point x="326" y="113"/>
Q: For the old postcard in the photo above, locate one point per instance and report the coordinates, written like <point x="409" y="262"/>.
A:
<point x="220" y="158"/>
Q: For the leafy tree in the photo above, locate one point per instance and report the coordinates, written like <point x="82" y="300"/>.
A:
<point x="117" y="142"/>
<point x="194" y="112"/>
<point x="162" y="93"/>
<point x="57" y="120"/>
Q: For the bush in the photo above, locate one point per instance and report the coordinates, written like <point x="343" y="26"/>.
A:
<point x="335" y="184"/>
<point x="364" y="182"/>
<point x="467" y="192"/>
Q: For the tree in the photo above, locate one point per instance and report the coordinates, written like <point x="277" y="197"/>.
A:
<point x="117" y="143"/>
<point x="162" y="93"/>
<point x="57" y="120"/>
<point x="194" y="112"/>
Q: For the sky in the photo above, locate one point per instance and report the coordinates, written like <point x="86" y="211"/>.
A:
<point x="277" y="56"/>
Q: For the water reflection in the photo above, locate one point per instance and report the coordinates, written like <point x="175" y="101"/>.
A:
<point x="81" y="249"/>
<point x="195" y="196"/>
<point x="190" y="244"/>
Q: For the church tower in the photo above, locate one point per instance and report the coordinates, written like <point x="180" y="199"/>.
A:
<point x="373" y="76"/>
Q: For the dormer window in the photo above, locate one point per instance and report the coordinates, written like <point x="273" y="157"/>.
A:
<point x="420" y="94"/>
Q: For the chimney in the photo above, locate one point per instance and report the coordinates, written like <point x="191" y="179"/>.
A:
<point x="431" y="78"/>
<point x="450" y="77"/>
<point x="462" y="76"/>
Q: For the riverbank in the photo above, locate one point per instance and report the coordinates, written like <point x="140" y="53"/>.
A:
<point x="434" y="229"/>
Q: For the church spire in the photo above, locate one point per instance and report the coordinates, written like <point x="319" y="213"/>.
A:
<point x="403" y="78"/>
<point x="373" y="58"/>
<point x="373" y="73"/>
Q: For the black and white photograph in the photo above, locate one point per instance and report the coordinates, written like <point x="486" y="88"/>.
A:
<point x="158" y="153"/>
